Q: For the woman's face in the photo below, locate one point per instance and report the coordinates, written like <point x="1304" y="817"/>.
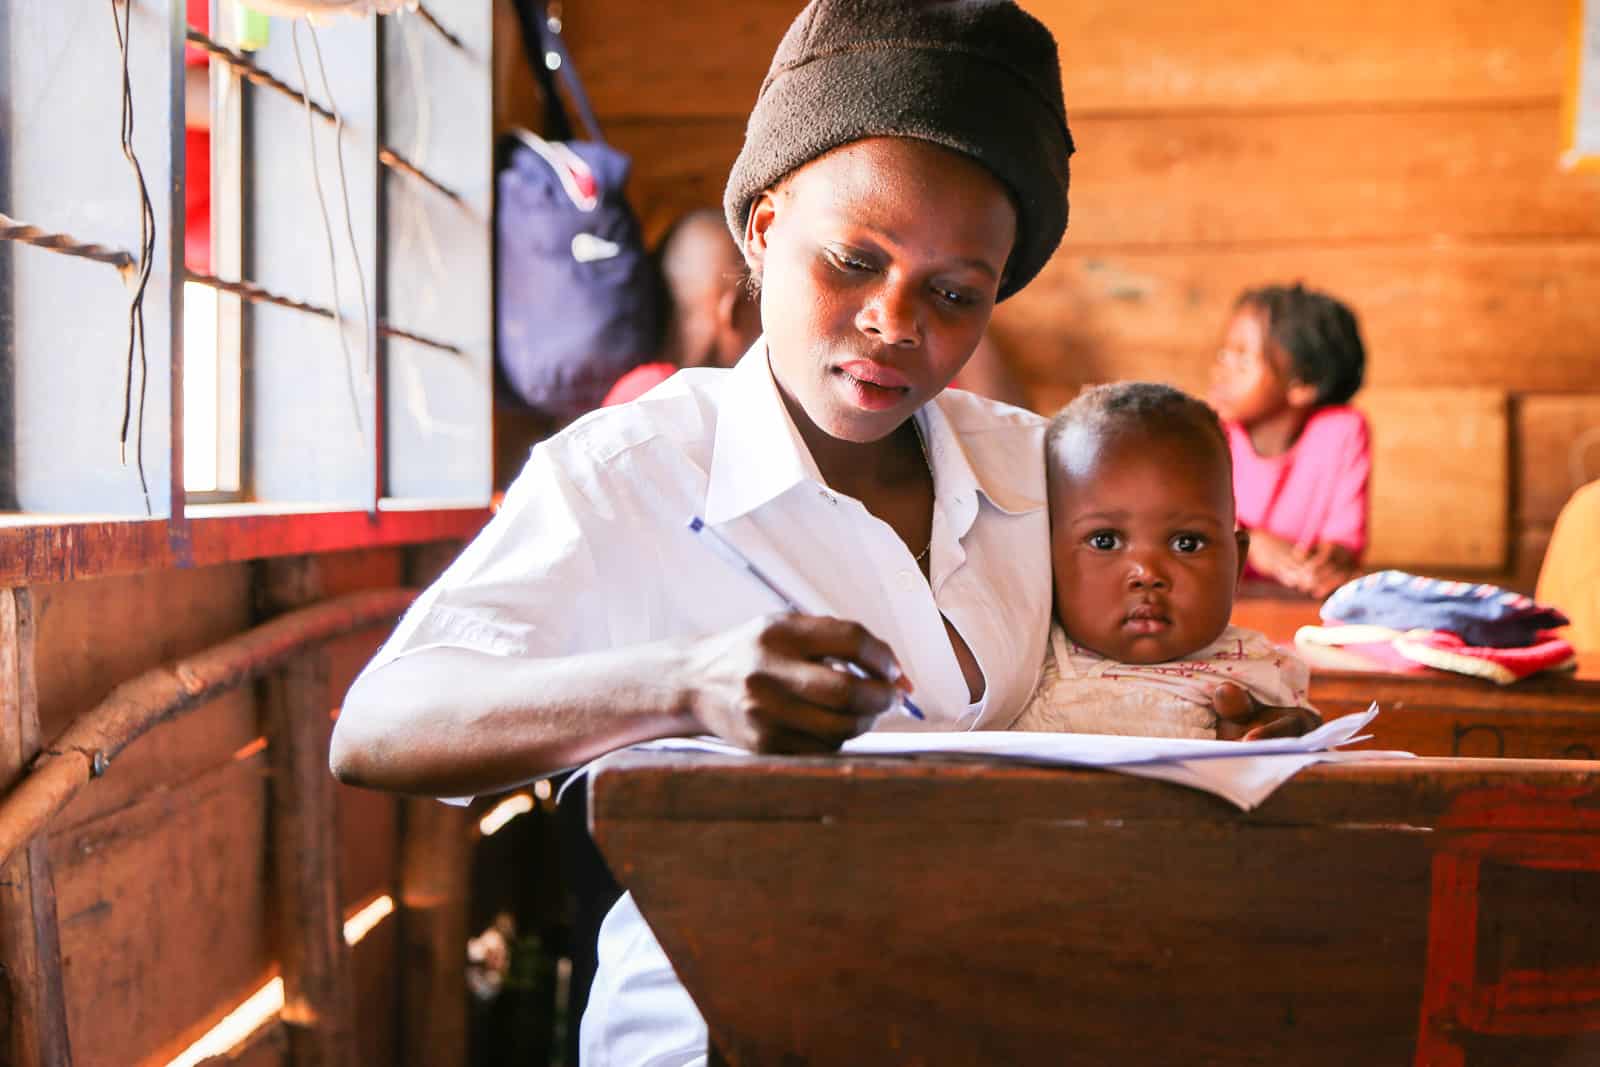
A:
<point x="879" y="263"/>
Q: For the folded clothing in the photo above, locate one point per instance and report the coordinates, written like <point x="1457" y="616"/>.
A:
<point x="1500" y="665"/>
<point x="1481" y="615"/>
<point x="1392" y="649"/>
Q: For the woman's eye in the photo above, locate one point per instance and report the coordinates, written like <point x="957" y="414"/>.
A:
<point x="1187" y="544"/>
<point x="846" y="261"/>
<point x="953" y="297"/>
<point x="1102" y="541"/>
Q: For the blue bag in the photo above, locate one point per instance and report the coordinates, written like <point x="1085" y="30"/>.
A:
<point x="577" y="298"/>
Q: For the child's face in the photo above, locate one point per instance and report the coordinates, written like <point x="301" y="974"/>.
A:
<point x="1250" y="379"/>
<point x="879" y="263"/>
<point x="1143" y="543"/>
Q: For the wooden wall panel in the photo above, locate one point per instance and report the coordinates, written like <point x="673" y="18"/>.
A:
<point x="1239" y="179"/>
<point x="1293" y="178"/>
<point x="163" y="916"/>
<point x="1439" y="477"/>
<point x="1166" y="56"/>
<point x="1432" y="315"/>
<point x="95" y="635"/>
<point x="369" y="820"/>
<point x="1558" y="451"/>
<point x="375" y="962"/>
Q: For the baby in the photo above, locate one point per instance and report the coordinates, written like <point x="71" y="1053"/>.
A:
<point x="1146" y="558"/>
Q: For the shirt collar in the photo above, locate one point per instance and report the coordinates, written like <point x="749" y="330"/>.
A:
<point x="992" y="456"/>
<point x="758" y="455"/>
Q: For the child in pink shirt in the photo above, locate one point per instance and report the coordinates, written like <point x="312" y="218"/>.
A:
<point x="1290" y="362"/>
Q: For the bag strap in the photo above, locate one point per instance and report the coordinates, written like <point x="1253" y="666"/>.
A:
<point x="541" y="39"/>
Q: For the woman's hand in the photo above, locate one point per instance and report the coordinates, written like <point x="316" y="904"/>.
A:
<point x="1241" y="717"/>
<point x="766" y="686"/>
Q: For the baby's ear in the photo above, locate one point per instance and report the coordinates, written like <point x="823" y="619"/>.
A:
<point x="1301" y="395"/>
<point x="1241" y="536"/>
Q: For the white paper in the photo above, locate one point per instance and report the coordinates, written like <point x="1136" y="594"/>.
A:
<point x="1242" y="772"/>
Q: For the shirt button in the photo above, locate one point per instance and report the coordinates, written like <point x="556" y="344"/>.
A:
<point x="909" y="580"/>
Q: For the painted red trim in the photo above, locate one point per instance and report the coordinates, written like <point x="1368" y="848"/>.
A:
<point x="35" y="553"/>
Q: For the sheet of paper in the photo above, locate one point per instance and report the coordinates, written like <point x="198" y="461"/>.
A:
<point x="1242" y="772"/>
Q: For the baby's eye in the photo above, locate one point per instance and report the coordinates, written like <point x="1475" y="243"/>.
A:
<point x="953" y="297"/>
<point x="1103" y="541"/>
<point x="1188" y="544"/>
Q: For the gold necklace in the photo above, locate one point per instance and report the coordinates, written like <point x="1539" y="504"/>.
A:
<point x="923" y="445"/>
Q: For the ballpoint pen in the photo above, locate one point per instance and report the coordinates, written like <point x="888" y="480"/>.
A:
<point x="739" y="560"/>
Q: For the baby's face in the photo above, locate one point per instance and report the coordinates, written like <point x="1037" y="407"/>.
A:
<point x="1143" y="543"/>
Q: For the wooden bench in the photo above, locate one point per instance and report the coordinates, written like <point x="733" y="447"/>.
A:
<point x="1438" y="713"/>
<point x="819" y="910"/>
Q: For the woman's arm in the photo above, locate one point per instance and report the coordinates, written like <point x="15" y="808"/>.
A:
<point x="450" y="721"/>
<point x="453" y="722"/>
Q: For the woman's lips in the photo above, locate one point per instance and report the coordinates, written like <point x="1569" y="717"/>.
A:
<point x="873" y="386"/>
<point x="884" y="377"/>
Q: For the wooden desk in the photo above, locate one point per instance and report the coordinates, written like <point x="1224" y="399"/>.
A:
<point x="851" y="912"/>
<point x="1438" y="713"/>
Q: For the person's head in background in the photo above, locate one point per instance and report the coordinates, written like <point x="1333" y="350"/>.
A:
<point x="1287" y="352"/>
<point x="711" y="318"/>
<point x="904" y="168"/>
<point x="1142" y="536"/>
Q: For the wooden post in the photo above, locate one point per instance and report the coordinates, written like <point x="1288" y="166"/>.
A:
<point x="436" y="842"/>
<point x="33" y="1011"/>
<point x="318" y="991"/>
<point x="435" y="880"/>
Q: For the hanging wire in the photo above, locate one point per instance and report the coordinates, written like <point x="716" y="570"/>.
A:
<point x="327" y="231"/>
<point x="247" y="70"/>
<point x="344" y="194"/>
<point x="415" y="224"/>
<point x="255" y="75"/>
<point x="147" y="247"/>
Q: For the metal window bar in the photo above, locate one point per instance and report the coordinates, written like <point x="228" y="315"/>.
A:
<point x="64" y="243"/>
<point x="248" y="70"/>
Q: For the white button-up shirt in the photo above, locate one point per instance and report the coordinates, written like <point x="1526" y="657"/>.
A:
<point x="592" y="550"/>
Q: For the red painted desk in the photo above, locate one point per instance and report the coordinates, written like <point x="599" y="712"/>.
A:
<point x="1437" y="713"/>
<point x="1441" y="912"/>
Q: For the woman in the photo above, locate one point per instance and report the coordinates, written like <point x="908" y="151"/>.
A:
<point x="905" y="167"/>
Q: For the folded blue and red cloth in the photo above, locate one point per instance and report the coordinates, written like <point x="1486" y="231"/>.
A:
<point x="1471" y="628"/>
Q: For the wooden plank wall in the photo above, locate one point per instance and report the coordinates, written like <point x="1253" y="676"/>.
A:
<point x="162" y="868"/>
<point x="1403" y="156"/>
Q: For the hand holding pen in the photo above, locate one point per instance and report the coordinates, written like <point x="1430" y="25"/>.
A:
<point x="762" y="685"/>
<point x="815" y="679"/>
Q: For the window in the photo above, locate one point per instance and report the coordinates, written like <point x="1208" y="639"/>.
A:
<point x="327" y="340"/>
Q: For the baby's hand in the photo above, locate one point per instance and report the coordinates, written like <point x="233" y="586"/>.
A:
<point x="1241" y="717"/>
